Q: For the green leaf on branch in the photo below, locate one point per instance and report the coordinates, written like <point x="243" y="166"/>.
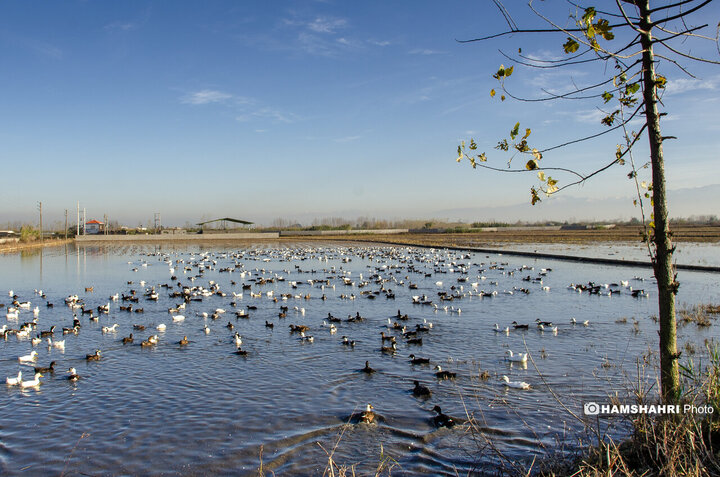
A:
<point x="571" y="46"/>
<point x="632" y="88"/>
<point x="607" y="96"/>
<point x="660" y="81"/>
<point x="527" y="133"/>
<point x="515" y="131"/>
<point x="473" y="145"/>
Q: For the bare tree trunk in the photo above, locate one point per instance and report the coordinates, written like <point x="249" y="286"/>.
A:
<point x="662" y="262"/>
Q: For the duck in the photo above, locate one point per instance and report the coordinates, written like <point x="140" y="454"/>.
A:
<point x="441" y="374"/>
<point x="308" y="339"/>
<point x="36" y="341"/>
<point x="49" y="369"/>
<point x="516" y="358"/>
<point x="238" y="339"/>
<point x="57" y="344"/>
<point x="178" y="318"/>
<point x="29" y="358"/>
<point x="421" y="391"/>
<point x="347" y="342"/>
<point x="518" y="326"/>
<point x="367" y="369"/>
<point x="206" y="329"/>
<point x="73" y="376"/>
<point x="269" y="325"/>
<point x="183" y="341"/>
<point x="241" y="352"/>
<point x="442" y="420"/>
<point x="161" y="327"/>
<point x="515" y="384"/>
<point x="389" y="349"/>
<point x="32" y="382"/>
<point x="416" y="360"/>
<point x="14" y="381"/>
<point x="110" y="329"/>
<point x="49" y="332"/>
<point x="93" y="357"/>
<point x="368" y="415"/>
<point x="128" y="339"/>
<point x="542" y="323"/>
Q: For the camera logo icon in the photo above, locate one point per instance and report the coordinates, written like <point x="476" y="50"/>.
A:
<point x="591" y="409"/>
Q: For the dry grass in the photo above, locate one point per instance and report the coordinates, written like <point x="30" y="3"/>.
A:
<point x="701" y="315"/>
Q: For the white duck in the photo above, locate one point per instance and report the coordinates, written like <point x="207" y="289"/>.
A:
<point x="178" y="318"/>
<point x="32" y="382"/>
<point x="515" y="384"/>
<point x="516" y="358"/>
<point x="110" y="329"/>
<point x="14" y="381"/>
<point x="29" y="358"/>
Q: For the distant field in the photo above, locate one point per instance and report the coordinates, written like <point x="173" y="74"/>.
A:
<point x="705" y="234"/>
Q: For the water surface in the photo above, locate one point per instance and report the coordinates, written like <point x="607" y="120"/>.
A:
<point x="200" y="408"/>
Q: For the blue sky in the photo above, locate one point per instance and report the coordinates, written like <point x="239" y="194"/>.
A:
<point x="261" y="110"/>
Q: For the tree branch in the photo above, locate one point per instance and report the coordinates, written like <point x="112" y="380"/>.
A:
<point x="681" y="14"/>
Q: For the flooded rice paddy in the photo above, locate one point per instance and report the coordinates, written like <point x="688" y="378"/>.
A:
<point x="289" y="402"/>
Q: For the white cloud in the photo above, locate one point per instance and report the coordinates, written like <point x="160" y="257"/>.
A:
<point x="206" y="96"/>
<point x="347" y="139"/>
<point x="683" y="85"/>
<point x="425" y="51"/>
<point x="326" y="24"/>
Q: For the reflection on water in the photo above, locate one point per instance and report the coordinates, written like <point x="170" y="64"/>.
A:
<point x="200" y="408"/>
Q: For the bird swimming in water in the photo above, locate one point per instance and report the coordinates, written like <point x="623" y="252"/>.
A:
<point x="367" y="369"/>
<point x="442" y="420"/>
<point x="421" y="391"/>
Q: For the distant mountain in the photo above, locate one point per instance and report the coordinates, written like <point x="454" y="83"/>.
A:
<point x="682" y="203"/>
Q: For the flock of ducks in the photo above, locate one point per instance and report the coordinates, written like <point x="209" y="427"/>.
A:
<point x="189" y="292"/>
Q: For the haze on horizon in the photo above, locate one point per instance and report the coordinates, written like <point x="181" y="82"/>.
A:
<point x="261" y="110"/>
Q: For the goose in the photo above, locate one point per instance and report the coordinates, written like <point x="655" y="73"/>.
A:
<point x="206" y="329"/>
<point x="441" y="374"/>
<point x="31" y="383"/>
<point x="421" y="391"/>
<point x="442" y="420"/>
<point x="515" y="384"/>
<point x="29" y="358"/>
<point x="516" y="358"/>
<point x="309" y="339"/>
<point x="73" y="376"/>
<point x="14" y="381"/>
<point x="543" y="323"/>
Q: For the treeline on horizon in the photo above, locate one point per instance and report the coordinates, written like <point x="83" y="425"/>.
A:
<point x="364" y="223"/>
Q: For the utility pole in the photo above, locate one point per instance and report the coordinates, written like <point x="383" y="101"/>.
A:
<point x="78" y="219"/>
<point x="158" y="222"/>
<point x="105" y="226"/>
<point x="66" y="226"/>
<point x="41" y="229"/>
<point x="84" y="221"/>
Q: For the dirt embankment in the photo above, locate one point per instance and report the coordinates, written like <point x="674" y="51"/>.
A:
<point x="17" y="246"/>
